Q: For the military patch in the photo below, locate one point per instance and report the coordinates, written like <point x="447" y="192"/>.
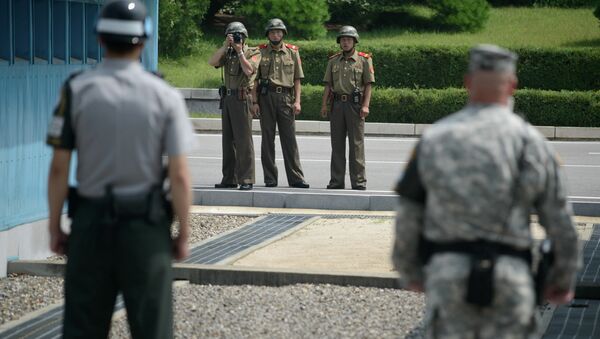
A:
<point x="290" y="46"/>
<point x="255" y="58"/>
<point x="263" y="46"/>
<point x="56" y="126"/>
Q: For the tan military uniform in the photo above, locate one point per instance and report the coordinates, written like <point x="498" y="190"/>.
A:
<point x="344" y="75"/>
<point x="238" y="147"/>
<point x="281" y="68"/>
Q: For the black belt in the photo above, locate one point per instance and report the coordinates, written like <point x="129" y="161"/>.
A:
<point x="235" y="91"/>
<point x="280" y="89"/>
<point x="342" y="97"/>
<point x="479" y="248"/>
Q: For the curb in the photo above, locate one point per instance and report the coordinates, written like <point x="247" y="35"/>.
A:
<point x="330" y="201"/>
<point x="229" y="275"/>
<point x="395" y="129"/>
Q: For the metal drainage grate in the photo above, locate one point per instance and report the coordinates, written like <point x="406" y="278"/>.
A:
<point x="590" y="273"/>
<point x="246" y="237"/>
<point x="45" y="326"/>
<point x="577" y="320"/>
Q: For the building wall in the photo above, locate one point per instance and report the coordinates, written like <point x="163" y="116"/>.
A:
<point x="41" y="43"/>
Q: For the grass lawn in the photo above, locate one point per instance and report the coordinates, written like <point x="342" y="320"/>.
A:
<point x="508" y="27"/>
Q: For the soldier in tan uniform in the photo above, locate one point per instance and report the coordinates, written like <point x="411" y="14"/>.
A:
<point x="278" y="81"/>
<point x="239" y="64"/>
<point x="348" y="80"/>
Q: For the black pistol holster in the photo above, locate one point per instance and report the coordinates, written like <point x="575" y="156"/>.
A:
<point x="483" y="255"/>
<point x="545" y="262"/>
<point x="222" y="90"/>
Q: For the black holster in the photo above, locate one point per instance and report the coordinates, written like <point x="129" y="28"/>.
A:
<point x="73" y="202"/>
<point x="545" y="262"/>
<point x="152" y="205"/>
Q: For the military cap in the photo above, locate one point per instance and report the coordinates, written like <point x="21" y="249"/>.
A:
<point x="347" y="31"/>
<point x="492" y="58"/>
<point x="236" y="27"/>
<point x="275" y="24"/>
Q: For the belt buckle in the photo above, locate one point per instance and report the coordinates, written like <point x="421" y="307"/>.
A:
<point x="228" y="91"/>
<point x="344" y="97"/>
<point x="278" y="89"/>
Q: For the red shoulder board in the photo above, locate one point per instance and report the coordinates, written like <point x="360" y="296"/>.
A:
<point x="365" y="55"/>
<point x="263" y="46"/>
<point x="295" y="48"/>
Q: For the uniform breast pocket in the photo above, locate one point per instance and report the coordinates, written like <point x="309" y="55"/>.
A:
<point x="335" y="70"/>
<point x="358" y="72"/>
<point x="264" y="68"/>
<point x="288" y="66"/>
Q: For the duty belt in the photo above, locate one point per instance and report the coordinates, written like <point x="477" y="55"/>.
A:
<point x="280" y="89"/>
<point x="474" y="248"/>
<point x="341" y="97"/>
<point x="235" y="91"/>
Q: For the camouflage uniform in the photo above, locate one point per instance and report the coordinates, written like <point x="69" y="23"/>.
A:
<point x="476" y="175"/>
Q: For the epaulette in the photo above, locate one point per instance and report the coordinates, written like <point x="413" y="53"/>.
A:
<point x="364" y="55"/>
<point x="335" y="55"/>
<point x="263" y="46"/>
<point x="290" y="46"/>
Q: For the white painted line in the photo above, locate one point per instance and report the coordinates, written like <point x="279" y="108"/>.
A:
<point x="582" y="166"/>
<point x="314" y="137"/>
<point x="594" y="153"/>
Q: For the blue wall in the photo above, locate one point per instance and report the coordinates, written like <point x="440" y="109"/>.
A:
<point x="41" y="43"/>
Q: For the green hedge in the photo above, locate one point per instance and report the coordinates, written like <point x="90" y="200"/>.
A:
<point x="541" y="108"/>
<point x="547" y="3"/>
<point x="443" y="67"/>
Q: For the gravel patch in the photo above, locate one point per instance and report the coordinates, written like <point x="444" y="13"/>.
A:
<point x="21" y="294"/>
<point x="298" y="311"/>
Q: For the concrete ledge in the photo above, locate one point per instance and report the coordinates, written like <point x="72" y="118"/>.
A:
<point x="204" y="93"/>
<point x="235" y="275"/>
<point x="314" y="199"/>
<point x="394" y="129"/>
<point x="578" y="132"/>
<point x="225" y="275"/>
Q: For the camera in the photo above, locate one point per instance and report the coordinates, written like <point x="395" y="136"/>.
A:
<point x="237" y="37"/>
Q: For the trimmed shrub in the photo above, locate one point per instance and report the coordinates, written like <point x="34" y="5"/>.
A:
<point x="304" y="19"/>
<point x="178" y="26"/>
<point x="442" y="67"/>
<point x="462" y="15"/>
<point x="542" y="108"/>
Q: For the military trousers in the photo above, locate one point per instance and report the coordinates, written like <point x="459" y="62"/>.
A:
<point x="132" y="257"/>
<point x="276" y="110"/>
<point x="345" y="122"/>
<point x="238" y="147"/>
<point x="448" y="316"/>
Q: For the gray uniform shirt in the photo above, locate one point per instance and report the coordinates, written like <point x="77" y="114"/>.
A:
<point x="121" y="119"/>
<point x="478" y="174"/>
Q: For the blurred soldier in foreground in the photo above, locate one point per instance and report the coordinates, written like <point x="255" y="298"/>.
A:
<point x="462" y="229"/>
<point x="348" y="80"/>
<point x="278" y="81"/>
<point x="121" y="119"/>
<point x="238" y="65"/>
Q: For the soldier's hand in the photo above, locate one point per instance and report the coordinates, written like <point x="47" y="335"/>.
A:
<point x="324" y="112"/>
<point x="255" y="110"/>
<point x="364" y="111"/>
<point x="228" y="41"/>
<point x="558" y="296"/>
<point x="297" y="108"/>
<point x="180" y="247"/>
<point x="58" y="242"/>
